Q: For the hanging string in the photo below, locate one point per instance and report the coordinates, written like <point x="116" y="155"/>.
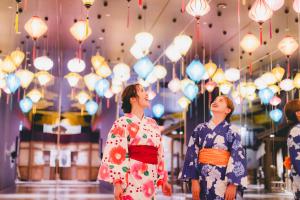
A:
<point x="173" y="71"/>
<point x="288" y="67"/>
<point x="17" y="18"/>
<point x="34" y="49"/>
<point x="128" y="14"/>
<point x="270" y="28"/>
<point x="182" y="6"/>
<point x="107" y="103"/>
<point x="260" y="34"/>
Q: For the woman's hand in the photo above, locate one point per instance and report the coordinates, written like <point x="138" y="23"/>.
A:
<point x="230" y="192"/>
<point x="118" y="191"/>
<point x="196" y="189"/>
<point x="167" y="189"/>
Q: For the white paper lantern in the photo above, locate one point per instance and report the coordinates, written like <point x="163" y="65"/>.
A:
<point x="122" y="71"/>
<point x="160" y="71"/>
<point x="173" y="53"/>
<point x="260" y="83"/>
<point x="174" y="85"/>
<point x="43" y="63"/>
<point x="225" y="87"/>
<point x="76" y="65"/>
<point x="269" y="78"/>
<point x="35" y="95"/>
<point x="183" y="43"/>
<point x="144" y="40"/>
<point x="232" y="74"/>
<point x="287" y="85"/>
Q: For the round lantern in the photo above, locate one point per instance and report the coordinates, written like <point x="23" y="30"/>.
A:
<point x="104" y="71"/>
<point x="137" y="51"/>
<point x="116" y="89"/>
<point x="183" y="102"/>
<point x="210" y="68"/>
<point x="122" y="71"/>
<point x="269" y="78"/>
<point x="275" y="4"/>
<point x="232" y="74"/>
<point x="276" y="115"/>
<point x="219" y="76"/>
<point x="183" y="43"/>
<point x="25" y="105"/>
<point x="25" y="76"/>
<point x="43" y="63"/>
<point x="35" y="95"/>
<point x="97" y="61"/>
<point x="43" y="77"/>
<point x="108" y="94"/>
<point x="195" y="70"/>
<point x="185" y="82"/>
<point x="210" y="86"/>
<point x="158" y="110"/>
<point x="287" y="85"/>
<point x="278" y="72"/>
<point x="143" y="82"/>
<point x="91" y="107"/>
<point x="81" y="30"/>
<point x="73" y="78"/>
<point x="90" y="81"/>
<point x="144" y="40"/>
<point x="174" y="85"/>
<point x="275" y="101"/>
<point x="160" y="71"/>
<point x="143" y="67"/>
<point x="260" y="83"/>
<point x="297" y="80"/>
<point x="82" y="97"/>
<point x="173" y="53"/>
<point x="225" y="88"/>
<point x="191" y="91"/>
<point x="151" y="94"/>
<point x="242" y="89"/>
<point x="275" y="88"/>
<point x="35" y="27"/>
<point x="151" y="78"/>
<point x="197" y="8"/>
<point x="101" y="87"/>
<point x="8" y="65"/>
<point x="296" y="6"/>
<point x="288" y="45"/>
<point x="13" y="82"/>
<point x="265" y="95"/>
<point x="249" y="43"/>
<point x="76" y="65"/>
<point x="17" y="57"/>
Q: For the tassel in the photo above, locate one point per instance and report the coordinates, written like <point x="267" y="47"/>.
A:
<point x="87" y="25"/>
<point x="33" y="51"/>
<point x="79" y="51"/>
<point x="140" y="3"/>
<point x="34" y="109"/>
<point x="288" y="68"/>
<point x="270" y="27"/>
<point x="173" y="71"/>
<point x="209" y="99"/>
<point x="182" y="6"/>
<point x="107" y="103"/>
<point x="202" y="90"/>
<point x="250" y="69"/>
<point x="260" y="34"/>
<point x="17" y="21"/>
<point x="198" y="30"/>
<point x="19" y="94"/>
<point x="182" y="67"/>
<point x="7" y="99"/>
<point x="128" y="15"/>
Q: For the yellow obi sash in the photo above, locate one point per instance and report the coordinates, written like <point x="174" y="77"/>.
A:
<point x="216" y="157"/>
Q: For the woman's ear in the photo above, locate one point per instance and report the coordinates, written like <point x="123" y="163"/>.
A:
<point x="228" y="110"/>
<point x="132" y="100"/>
<point x="298" y="115"/>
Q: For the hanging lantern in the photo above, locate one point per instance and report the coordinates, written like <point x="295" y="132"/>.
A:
<point x="275" y="4"/>
<point x="260" y="83"/>
<point x="151" y="78"/>
<point x="172" y="53"/>
<point x="17" y="57"/>
<point x="250" y="97"/>
<point x="76" y="65"/>
<point x="276" y="115"/>
<point x="137" y="51"/>
<point x="278" y="72"/>
<point x="287" y="85"/>
<point x="225" y="87"/>
<point x="297" y="81"/>
<point x="265" y="95"/>
<point x="122" y="71"/>
<point x="80" y="30"/>
<point x="197" y="8"/>
<point x="35" y="27"/>
<point x="158" y="110"/>
<point x="108" y="94"/>
<point x="288" y="46"/>
<point x="219" y="76"/>
<point x="275" y="88"/>
<point x="205" y="76"/>
<point x="242" y="89"/>
<point x="25" y="105"/>
<point x="43" y="77"/>
<point x="104" y="71"/>
<point x="144" y="40"/>
<point x="88" y="4"/>
<point x="185" y="82"/>
<point x="260" y="12"/>
<point x="90" y="81"/>
<point x="183" y="43"/>
<point x="250" y="88"/>
<point x="210" y="86"/>
<point x="8" y="65"/>
<point x="195" y="70"/>
<point x="191" y="91"/>
<point x="232" y="74"/>
<point x="210" y="68"/>
<point x="249" y="43"/>
<point x="143" y="82"/>
<point x="25" y="76"/>
<point x="91" y="107"/>
<point x="174" y="85"/>
<point x="151" y="94"/>
<point x="35" y="95"/>
<point x="101" y="87"/>
<point x="275" y="101"/>
<point x="82" y="97"/>
<point x="143" y="67"/>
<point x="97" y="61"/>
<point x="296" y="6"/>
<point x="12" y="82"/>
<point x="116" y="89"/>
<point x="184" y="102"/>
<point x="73" y="78"/>
<point x="160" y="71"/>
<point x="43" y="63"/>
<point x="269" y="78"/>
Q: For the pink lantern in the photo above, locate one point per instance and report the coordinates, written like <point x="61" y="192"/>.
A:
<point x="210" y="86"/>
<point x="275" y="101"/>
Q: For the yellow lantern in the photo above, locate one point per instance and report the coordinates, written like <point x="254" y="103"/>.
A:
<point x="17" y="57"/>
<point x="210" y="68"/>
<point x="90" y="80"/>
<point x="97" y="60"/>
<point x="219" y="76"/>
<point x="73" y="78"/>
<point x="297" y="80"/>
<point x="25" y="76"/>
<point x="278" y="72"/>
<point x="184" y="102"/>
<point x="43" y="77"/>
<point x="249" y="43"/>
<point x="104" y="70"/>
<point x="35" y="95"/>
<point x="36" y="27"/>
<point x="8" y="65"/>
<point x="275" y="88"/>
<point x="81" y="30"/>
<point x="88" y="3"/>
<point x="82" y="97"/>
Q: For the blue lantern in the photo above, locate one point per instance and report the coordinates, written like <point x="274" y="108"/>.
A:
<point x="158" y="110"/>
<point x="13" y="82"/>
<point x="102" y="86"/>
<point x="266" y="95"/>
<point x="91" y="107"/>
<point x="143" y="67"/>
<point x="195" y="70"/>
<point x="276" y="115"/>
<point x="191" y="91"/>
<point x="25" y="105"/>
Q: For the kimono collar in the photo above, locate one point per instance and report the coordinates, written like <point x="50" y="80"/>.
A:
<point x="213" y="126"/>
<point x="133" y="116"/>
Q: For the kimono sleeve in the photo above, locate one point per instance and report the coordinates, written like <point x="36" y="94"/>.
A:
<point x="161" y="171"/>
<point x="190" y="170"/>
<point x="294" y="149"/>
<point x="236" y="171"/>
<point x="115" y="162"/>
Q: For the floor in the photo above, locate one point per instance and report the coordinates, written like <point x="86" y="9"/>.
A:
<point x="51" y="190"/>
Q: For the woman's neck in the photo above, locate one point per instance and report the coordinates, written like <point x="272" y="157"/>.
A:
<point x="217" y="119"/>
<point x="137" y="111"/>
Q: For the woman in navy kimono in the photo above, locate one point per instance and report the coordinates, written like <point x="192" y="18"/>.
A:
<point x="292" y="112"/>
<point x="215" y="159"/>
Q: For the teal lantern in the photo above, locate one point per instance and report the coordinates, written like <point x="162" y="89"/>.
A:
<point x="101" y="87"/>
<point x="191" y="91"/>
<point x="158" y="110"/>
<point x="13" y="82"/>
<point x="25" y="105"/>
<point x="91" y="107"/>
<point x="265" y="95"/>
<point x="276" y="115"/>
<point x="143" y="67"/>
<point x="195" y="70"/>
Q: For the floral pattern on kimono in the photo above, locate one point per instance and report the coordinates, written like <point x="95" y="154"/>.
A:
<point x="215" y="179"/>
<point x="293" y="143"/>
<point x="139" y="180"/>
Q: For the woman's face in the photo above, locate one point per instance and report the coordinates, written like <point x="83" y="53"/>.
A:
<point x="142" y="97"/>
<point x="220" y="106"/>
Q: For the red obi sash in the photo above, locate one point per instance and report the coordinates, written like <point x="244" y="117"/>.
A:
<point x="144" y="153"/>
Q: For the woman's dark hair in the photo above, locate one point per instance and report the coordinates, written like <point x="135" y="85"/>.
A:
<point x="129" y="92"/>
<point x="290" y="110"/>
<point x="230" y="105"/>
